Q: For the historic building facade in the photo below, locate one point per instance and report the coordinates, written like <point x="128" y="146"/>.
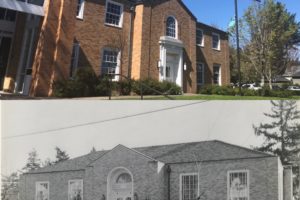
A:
<point x="137" y="39"/>
<point x="189" y="171"/>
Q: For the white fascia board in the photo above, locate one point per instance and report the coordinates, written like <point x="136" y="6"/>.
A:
<point x="22" y="7"/>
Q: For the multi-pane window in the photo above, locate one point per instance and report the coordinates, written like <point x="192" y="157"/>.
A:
<point x="171" y="27"/>
<point x="114" y="13"/>
<point x="80" y="9"/>
<point x="200" y="73"/>
<point x="216" y="41"/>
<point x="189" y="186"/>
<point x="42" y="191"/>
<point x="110" y="62"/>
<point x="74" y="59"/>
<point x="217" y="74"/>
<point x="7" y="15"/>
<point x="35" y="2"/>
<point x="199" y="37"/>
<point x="238" y="185"/>
<point x="75" y="190"/>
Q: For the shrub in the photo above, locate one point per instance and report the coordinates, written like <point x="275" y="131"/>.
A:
<point x="248" y="92"/>
<point x="154" y="87"/>
<point x="218" y="90"/>
<point x="124" y="86"/>
<point x="206" y="89"/>
<point x="69" y="88"/>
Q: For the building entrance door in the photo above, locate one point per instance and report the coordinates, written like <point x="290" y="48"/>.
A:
<point x="171" y="67"/>
<point x="5" y="44"/>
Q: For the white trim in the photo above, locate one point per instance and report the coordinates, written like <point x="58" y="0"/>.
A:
<point x="121" y="14"/>
<point x="42" y="182"/>
<point x="202" y="41"/>
<point x="81" y="181"/>
<point x="219" y="41"/>
<point x="180" y="183"/>
<point x="81" y="10"/>
<point x="248" y="181"/>
<point x="203" y="72"/>
<point x="176" y="26"/>
<point x="122" y="169"/>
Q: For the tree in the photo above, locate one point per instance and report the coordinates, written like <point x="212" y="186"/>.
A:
<point x="47" y="162"/>
<point x="270" y="33"/>
<point x="9" y="185"/>
<point x="93" y="150"/>
<point x="61" y="155"/>
<point x="282" y="135"/>
<point x="33" y="162"/>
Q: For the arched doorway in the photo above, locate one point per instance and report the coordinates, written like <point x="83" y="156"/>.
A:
<point x="120" y="184"/>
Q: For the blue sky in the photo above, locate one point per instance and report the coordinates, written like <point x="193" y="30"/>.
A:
<point x="219" y="12"/>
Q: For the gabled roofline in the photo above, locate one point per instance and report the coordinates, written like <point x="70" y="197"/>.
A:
<point x="216" y="29"/>
<point x="120" y="145"/>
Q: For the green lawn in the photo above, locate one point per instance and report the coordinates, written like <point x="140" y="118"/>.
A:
<point x="211" y="97"/>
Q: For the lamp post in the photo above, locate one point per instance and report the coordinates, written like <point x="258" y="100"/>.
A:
<point x="238" y="44"/>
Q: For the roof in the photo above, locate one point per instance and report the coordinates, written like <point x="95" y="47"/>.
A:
<point x="175" y="153"/>
<point x="212" y="27"/>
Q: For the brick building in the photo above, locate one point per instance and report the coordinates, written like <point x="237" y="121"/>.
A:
<point x="189" y="171"/>
<point x="49" y="40"/>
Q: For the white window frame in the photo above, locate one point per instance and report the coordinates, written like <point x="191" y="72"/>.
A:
<point x="180" y="183"/>
<point x="219" y="41"/>
<point x="81" y="9"/>
<point x="203" y="72"/>
<point x="69" y="188"/>
<point x="42" y="182"/>
<point x="220" y="74"/>
<point x="248" y="181"/>
<point x="202" y="41"/>
<point x="121" y="14"/>
<point x="176" y="27"/>
<point x="74" y="65"/>
<point x="117" y="70"/>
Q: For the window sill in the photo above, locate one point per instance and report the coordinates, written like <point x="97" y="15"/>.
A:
<point x="113" y="25"/>
<point x="216" y="49"/>
<point x="200" y="45"/>
<point x="79" y="18"/>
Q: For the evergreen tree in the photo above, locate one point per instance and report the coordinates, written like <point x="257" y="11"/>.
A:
<point x="61" y="155"/>
<point x="282" y="135"/>
<point x="33" y="162"/>
<point x="47" y="162"/>
<point x="93" y="150"/>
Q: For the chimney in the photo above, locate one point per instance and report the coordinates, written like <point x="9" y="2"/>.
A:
<point x="287" y="183"/>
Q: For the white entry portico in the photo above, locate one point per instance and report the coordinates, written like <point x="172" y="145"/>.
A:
<point x="171" y="60"/>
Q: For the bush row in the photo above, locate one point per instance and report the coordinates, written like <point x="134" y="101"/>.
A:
<point x="86" y="84"/>
<point x="228" y="90"/>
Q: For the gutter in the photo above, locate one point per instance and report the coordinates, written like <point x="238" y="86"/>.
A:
<point x="132" y="16"/>
<point x="168" y="170"/>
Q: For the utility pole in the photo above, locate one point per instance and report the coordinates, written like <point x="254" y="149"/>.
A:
<point x="238" y="46"/>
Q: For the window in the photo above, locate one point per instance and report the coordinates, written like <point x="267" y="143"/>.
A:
<point x="217" y="74"/>
<point x="123" y="178"/>
<point x="75" y="190"/>
<point x="238" y="185"/>
<point x="74" y="59"/>
<point x="35" y="2"/>
<point x="7" y="15"/>
<point x="200" y="73"/>
<point x="199" y="37"/>
<point x="189" y="186"/>
<point x="114" y="13"/>
<point x="216" y="41"/>
<point x="80" y="8"/>
<point x="171" y="27"/>
<point x="42" y="191"/>
<point x="110" y="63"/>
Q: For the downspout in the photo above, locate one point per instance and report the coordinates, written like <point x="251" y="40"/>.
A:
<point x="150" y="37"/>
<point x="132" y="15"/>
<point x="168" y="170"/>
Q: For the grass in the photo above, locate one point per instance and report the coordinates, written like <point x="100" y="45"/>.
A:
<point x="210" y="97"/>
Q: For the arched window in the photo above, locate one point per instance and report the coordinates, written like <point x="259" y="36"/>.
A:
<point x="124" y="178"/>
<point x="171" y="29"/>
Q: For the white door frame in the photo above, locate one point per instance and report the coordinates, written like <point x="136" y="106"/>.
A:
<point x="174" y="47"/>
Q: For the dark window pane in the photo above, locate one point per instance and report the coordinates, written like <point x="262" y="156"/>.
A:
<point x="11" y="15"/>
